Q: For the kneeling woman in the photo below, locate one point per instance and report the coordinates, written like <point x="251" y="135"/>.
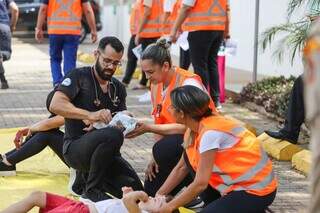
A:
<point x="223" y="155"/>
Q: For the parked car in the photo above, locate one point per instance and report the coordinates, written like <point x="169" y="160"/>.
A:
<point x="28" y="13"/>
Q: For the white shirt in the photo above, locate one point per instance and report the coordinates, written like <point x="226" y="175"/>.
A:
<point x="147" y="3"/>
<point x="112" y="206"/>
<point x="213" y="139"/>
<point x="188" y="81"/>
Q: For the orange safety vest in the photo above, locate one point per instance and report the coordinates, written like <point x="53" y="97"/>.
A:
<point x="206" y="15"/>
<point x="161" y="103"/>
<point x="134" y="17"/>
<point x="64" y="17"/>
<point x="153" y="27"/>
<point x="168" y="25"/>
<point x="245" y="166"/>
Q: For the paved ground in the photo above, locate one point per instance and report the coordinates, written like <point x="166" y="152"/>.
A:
<point x="29" y="78"/>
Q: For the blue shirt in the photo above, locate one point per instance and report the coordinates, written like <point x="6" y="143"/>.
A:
<point x="4" y="11"/>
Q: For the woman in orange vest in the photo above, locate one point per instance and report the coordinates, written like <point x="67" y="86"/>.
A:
<point x="132" y="59"/>
<point x="164" y="77"/>
<point x="222" y="154"/>
<point x="207" y="23"/>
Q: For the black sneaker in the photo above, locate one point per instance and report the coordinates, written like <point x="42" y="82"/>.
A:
<point x="4" y="85"/>
<point x="94" y="195"/>
<point x="6" y="170"/>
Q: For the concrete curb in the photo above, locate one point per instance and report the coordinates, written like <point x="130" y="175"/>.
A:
<point x="285" y="151"/>
<point x="89" y="59"/>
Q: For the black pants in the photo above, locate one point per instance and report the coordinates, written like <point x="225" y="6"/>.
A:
<point x="132" y="62"/>
<point x="145" y="42"/>
<point x="5" y="47"/>
<point x="39" y="141"/>
<point x="97" y="153"/>
<point x="295" y="113"/>
<point x="184" y="60"/>
<point x="167" y="153"/>
<point x="204" y="47"/>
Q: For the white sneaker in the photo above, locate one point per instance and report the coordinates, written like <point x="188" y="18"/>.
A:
<point x="72" y="178"/>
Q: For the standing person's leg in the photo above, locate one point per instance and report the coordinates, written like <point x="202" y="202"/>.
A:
<point x="132" y="62"/>
<point x="217" y="37"/>
<point x="94" y="153"/>
<point x="55" y="50"/>
<point x="199" y="53"/>
<point x="240" y="202"/>
<point x="5" y="52"/>
<point x="167" y="153"/>
<point x="70" y="48"/>
<point x="184" y="60"/>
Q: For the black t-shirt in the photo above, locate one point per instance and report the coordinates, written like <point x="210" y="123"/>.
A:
<point x="79" y="86"/>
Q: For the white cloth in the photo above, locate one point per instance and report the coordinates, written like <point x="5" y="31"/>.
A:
<point x="213" y="139"/>
<point x="168" y="5"/>
<point x="112" y="206"/>
<point x="120" y="119"/>
<point x="189" y="2"/>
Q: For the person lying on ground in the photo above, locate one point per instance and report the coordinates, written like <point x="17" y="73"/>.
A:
<point x="132" y="201"/>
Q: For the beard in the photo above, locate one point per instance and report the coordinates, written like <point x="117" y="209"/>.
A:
<point x="104" y="74"/>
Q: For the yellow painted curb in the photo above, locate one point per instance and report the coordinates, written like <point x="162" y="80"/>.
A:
<point x="278" y="149"/>
<point x="246" y="125"/>
<point x="302" y="161"/>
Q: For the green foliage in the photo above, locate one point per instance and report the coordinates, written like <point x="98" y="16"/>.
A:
<point x="271" y="93"/>
<point x="292" y="34"/>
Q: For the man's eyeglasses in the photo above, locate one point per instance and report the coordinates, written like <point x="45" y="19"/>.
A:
<point x="106" y="62"/>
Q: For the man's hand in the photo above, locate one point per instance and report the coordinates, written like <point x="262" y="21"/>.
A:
<point x="20" y="135"/>
<point x="39" y="35"/>
<point x="137" y="40"/>
<point x="94" y="36"/>
<point x="140" y="129"/>
<point x="89" y="126"/>
<point x="151" y="170"/>
<point x="103" y="115"/>
<point x="12" y="28"/>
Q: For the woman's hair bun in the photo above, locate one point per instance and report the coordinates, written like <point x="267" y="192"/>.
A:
<point x="162" y="42"/>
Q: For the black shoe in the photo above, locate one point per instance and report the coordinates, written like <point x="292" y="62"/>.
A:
<point x="282" y="136"/>
<point x="196" y="204"/>
<point x="4" y="85"/>
<point x="94" y="195"/>
<point x="6" y="170"/>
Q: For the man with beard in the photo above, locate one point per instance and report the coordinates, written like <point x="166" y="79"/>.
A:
<point x="85" y="96"/>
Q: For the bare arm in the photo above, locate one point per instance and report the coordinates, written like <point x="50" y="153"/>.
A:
<point x="131" y="199"/>
<point x="176" y="176"/>
<point x="183" y="13"/>
<point x="14" y="15"/>
<point x="47" y="124"/>
<point x="88" y="12"/>
<point x="42" y="15"/>
<point x="200" y="182"/>
<point x="160" y="129"/>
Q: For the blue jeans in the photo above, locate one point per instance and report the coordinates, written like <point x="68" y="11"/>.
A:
<point x="69" y="45"/>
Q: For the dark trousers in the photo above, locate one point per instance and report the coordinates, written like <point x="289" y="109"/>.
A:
<point x="132" y="62"/>
<point x="167" y="153"/>
<point x="35" y="144"/>
<point x="95" y="153"/>
<point x="184" y="60"/>
<point x="145" y="42"/>
<point x="295" y="113"/>
<point x="68" y="45"/>
<point x="5" y="48"/>
<point x="204" y="47"/>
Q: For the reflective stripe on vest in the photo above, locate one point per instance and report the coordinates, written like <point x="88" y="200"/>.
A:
<point x="206" y="20"/>
<point x="71" y="23"/>
<point x="228" y="182"/>
<point x="153" y="27"/>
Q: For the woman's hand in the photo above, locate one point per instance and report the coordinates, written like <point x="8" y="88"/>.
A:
<point x="151" y="170"/>
<point x="18" y="140"/>
<point x="140" y="129"/>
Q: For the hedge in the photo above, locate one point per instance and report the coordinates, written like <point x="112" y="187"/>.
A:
<point x="272" y="93"/>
